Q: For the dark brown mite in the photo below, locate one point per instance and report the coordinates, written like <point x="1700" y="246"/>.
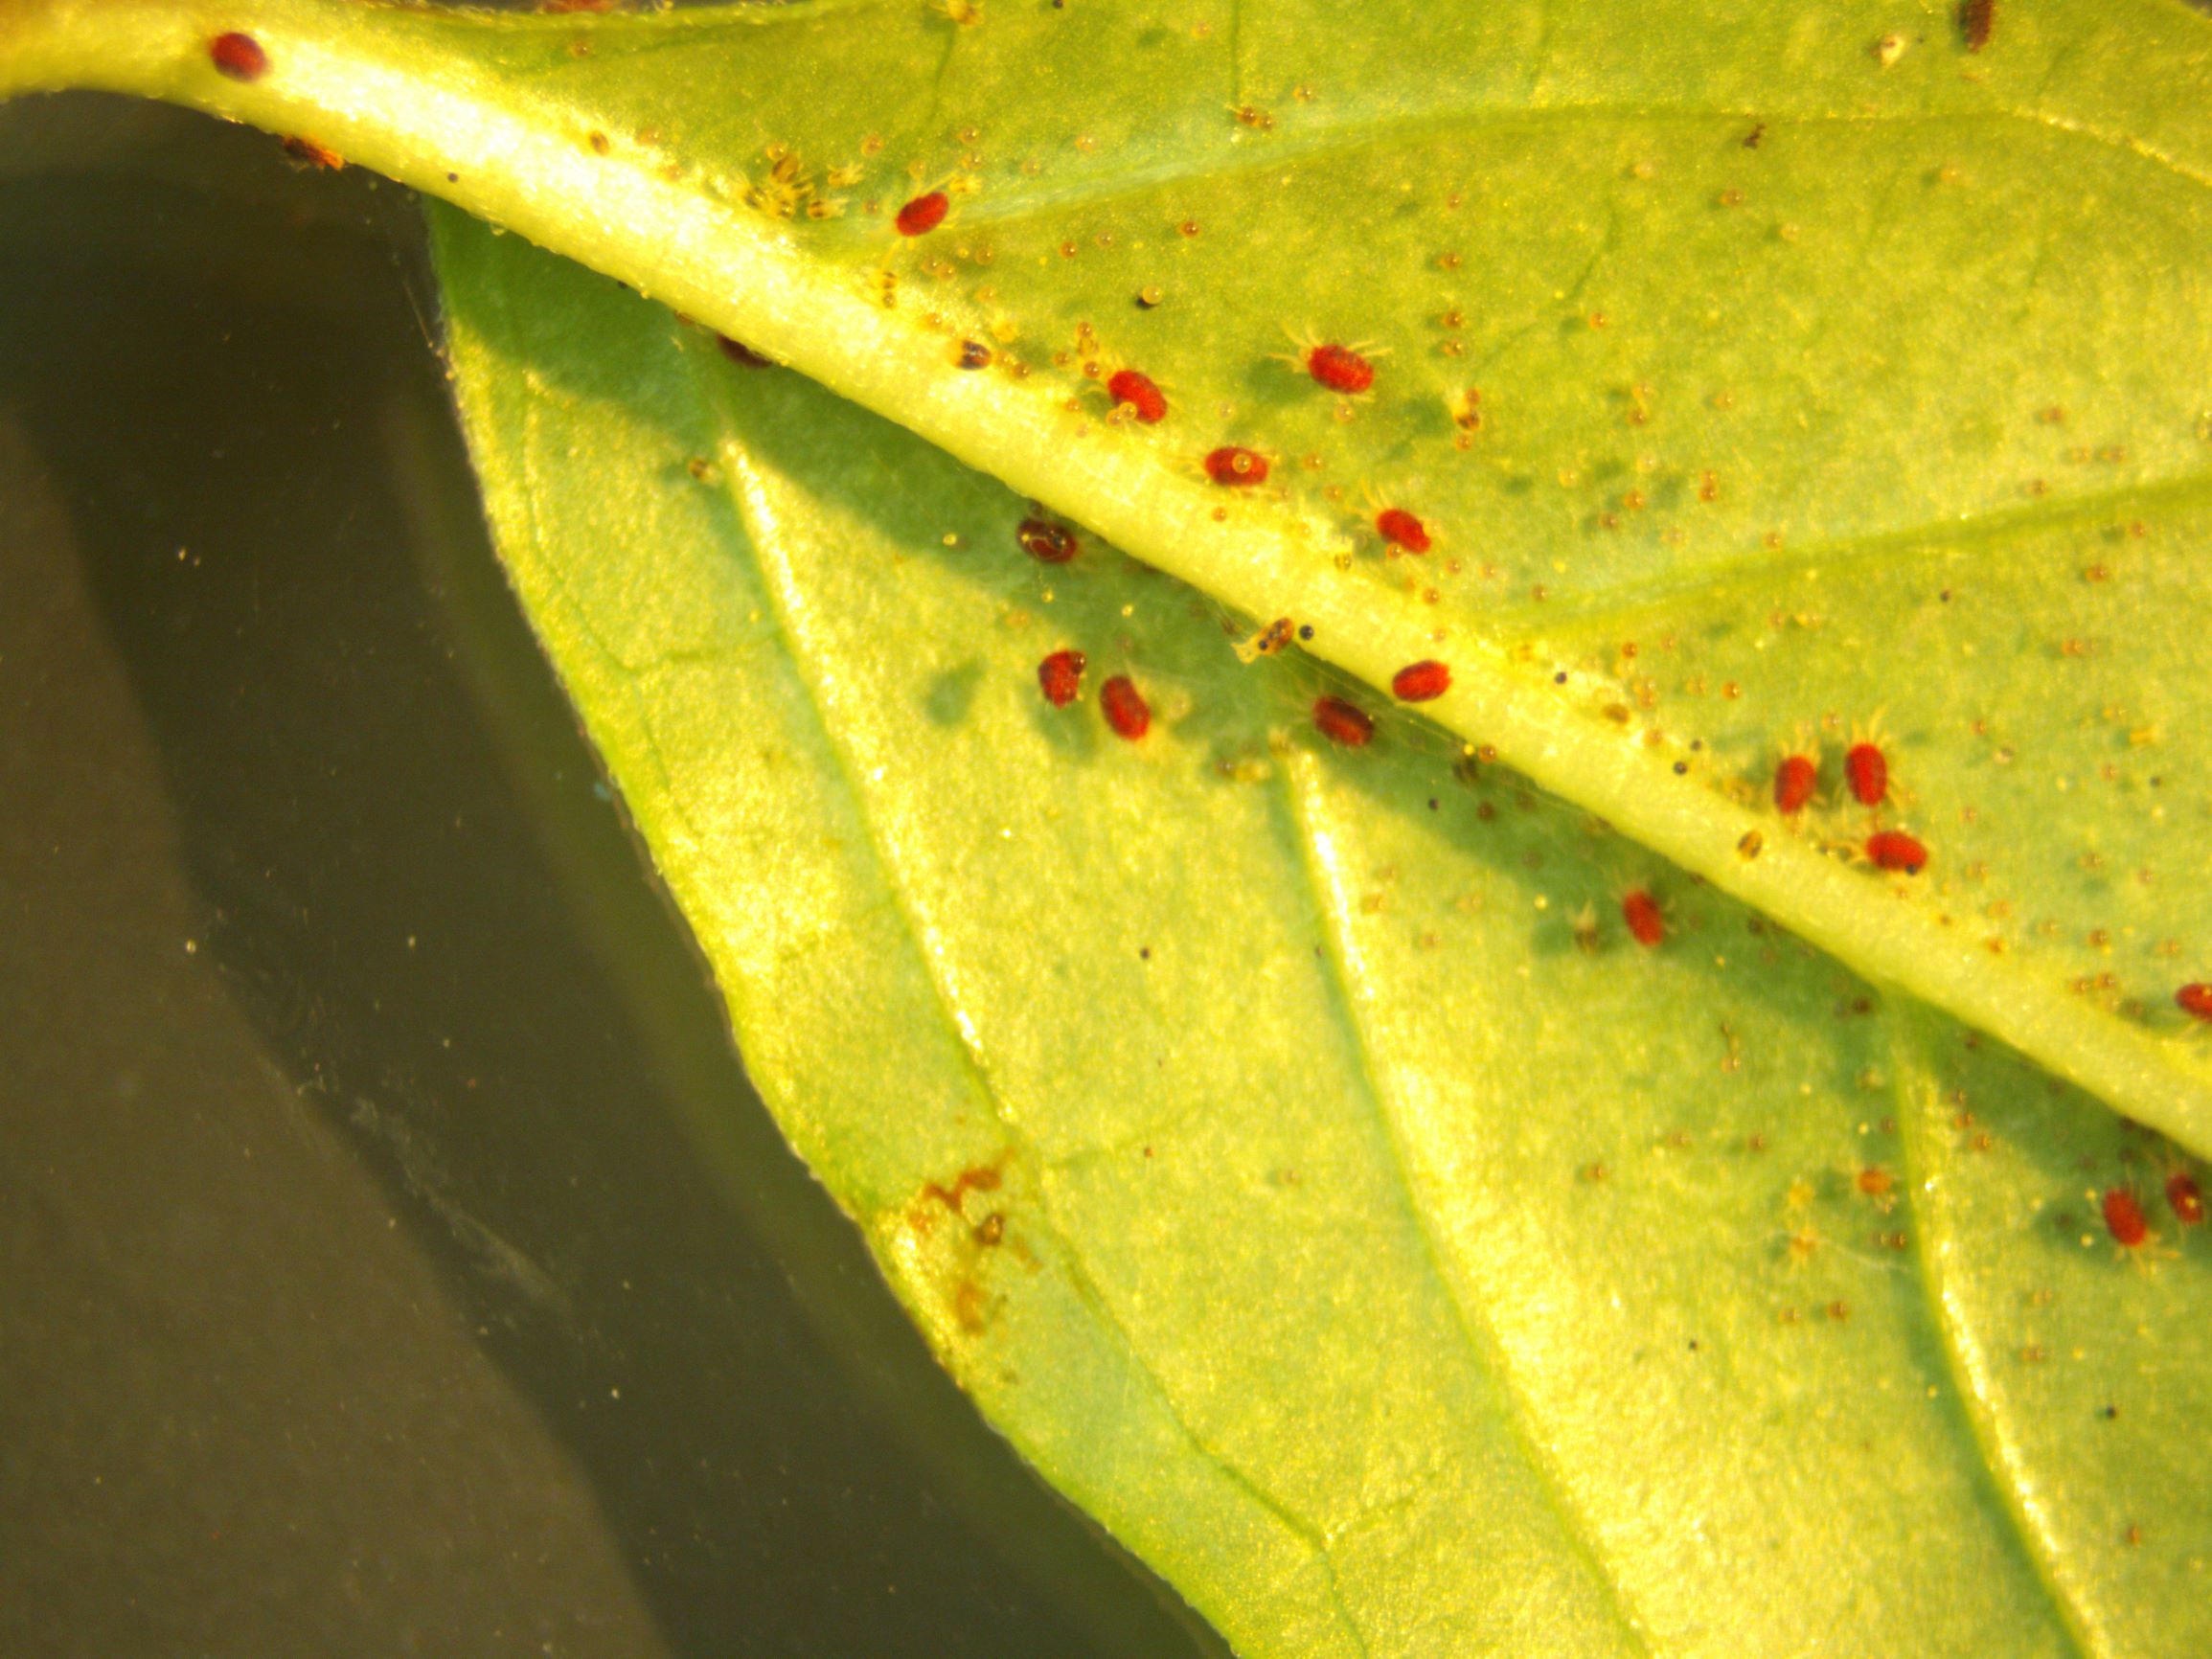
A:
<point x="1345" y="724"/>
<point x="2186" y="1198"/>
<point x="1047" y="542"/>
<point x="1976" y="19"/>
<point x="309" y="154"/>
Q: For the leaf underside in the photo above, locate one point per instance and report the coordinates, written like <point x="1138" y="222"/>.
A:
<point x="1290" y="1147"/>
<point x="1767" y="377"/>
<point x="1245" y="1124"/>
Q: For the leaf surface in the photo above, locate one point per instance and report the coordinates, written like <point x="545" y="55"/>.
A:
<point x="1761" y="376"/>
<point x="1243" y="1121"/>
<point x="1400" y="1261"/>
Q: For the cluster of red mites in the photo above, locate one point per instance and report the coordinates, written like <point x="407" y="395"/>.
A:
<point x="1060" y="677"/>
<point x="2131" y="1228"/>
<point x="1233" y="466"/>
<point x="1866" y="772"/>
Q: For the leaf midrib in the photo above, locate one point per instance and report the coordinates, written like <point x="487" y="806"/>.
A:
<point x="763" y="288"/>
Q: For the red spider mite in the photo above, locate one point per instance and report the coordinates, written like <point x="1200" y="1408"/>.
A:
<point x="1059" y="676"/>
<point x="1125" y="708"/>
<point x="1400" y="529"/>
<point x="2195" y="999"/>
<point x="1420" y="682"/>
<point x="1239" y="468"/>
<point x="1895" y="850"/>
<point x="239" y="55"/>
<point x="737" y="351"/>
<point x="923" y="213"/>
<point x="1344" y="722"/>
<point x="1340" y="369"/>
<point x="1134" y="388"/>
<point x="2123" y="1218"/>
<point x="2185" y="1198"/>
<point x="1868" y="770"/>
<point x="1046" y="542"/>
<point x="1794" y="783"/>
<point x="1641" y="912"/>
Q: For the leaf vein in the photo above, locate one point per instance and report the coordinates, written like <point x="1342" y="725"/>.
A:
<point x="1301" y="786"/>
<point x="738" y="466"/>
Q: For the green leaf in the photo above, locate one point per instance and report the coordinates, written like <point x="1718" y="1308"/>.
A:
<point x="1243" y="1122"/>
<point x="1395" y="1272"/>
<point x="1837" y="365"/>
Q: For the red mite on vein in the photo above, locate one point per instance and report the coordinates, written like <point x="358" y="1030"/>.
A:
<point x="1125" y="708"/>
<point x="1340" y="369"/>
<point x="1641" y="912"/>
<point x="1343" y="722"/>
<point x="1236" y="468"/>
<point x="1400" y="529"/>
<point x="1136" y="389"/>
<point x="2195" y="999"/>
<point x="2123" y="1218"/>
<point x="1868" y="770"/>
<point x="1059" y="676"/>
<point x="923" y="213"/>
<point x="1794" y="781"/>
<point x="2186" y="1198"/>
<point x="1895" y="850"/>
<point x="239" y="55"/>
<point x="1420" y="682"/>
<point x="1046" y="542"/>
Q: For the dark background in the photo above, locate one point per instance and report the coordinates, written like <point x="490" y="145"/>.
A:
<point x="393" y="1256"/>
